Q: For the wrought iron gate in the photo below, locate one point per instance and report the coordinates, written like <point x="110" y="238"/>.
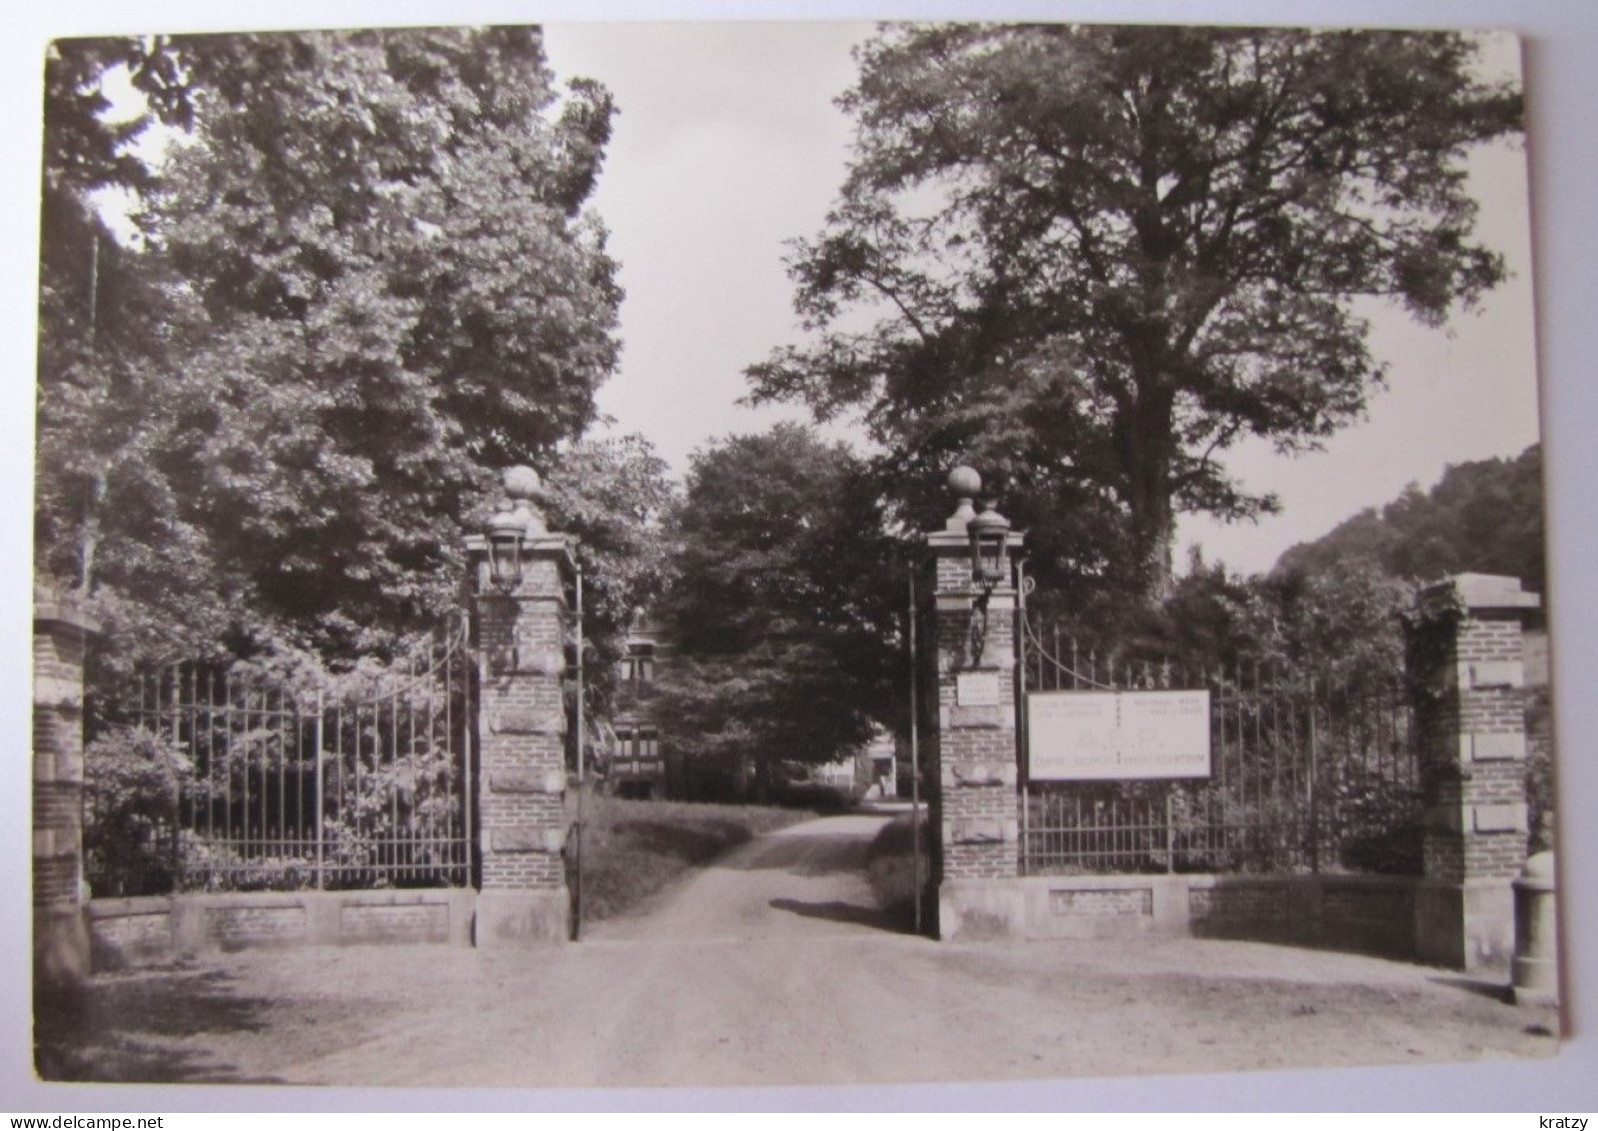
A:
<point x="276" y="787"/>
<point x="1309" y="772"/>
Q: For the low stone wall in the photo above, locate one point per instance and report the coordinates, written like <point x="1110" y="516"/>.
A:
<point x="1369" y="914"/>
<point x="126" y="932"/>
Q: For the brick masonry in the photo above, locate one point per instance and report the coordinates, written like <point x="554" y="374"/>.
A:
<point x="971" y="748"/>
<point x="523" y="818"/>
<point x="395" y="923"/>
<point x="60" y="935"/>
<point x="1466" y="660"/>
<point x="522" y="728"/>
<point x="1251" y="903"/>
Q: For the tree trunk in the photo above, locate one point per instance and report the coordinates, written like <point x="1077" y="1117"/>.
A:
<point x="90" y="539"/>
<point x="1153" y="528"/>
<point x="1147" y="466"/>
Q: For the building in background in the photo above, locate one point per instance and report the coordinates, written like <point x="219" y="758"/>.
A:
<point x="637" y="765"/>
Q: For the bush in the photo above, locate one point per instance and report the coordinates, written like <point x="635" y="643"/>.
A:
<point x="1539" y="771"/>
<point x="133" y="779"/>
<point x="891" y="870"/>
<point x="818" y="797"/>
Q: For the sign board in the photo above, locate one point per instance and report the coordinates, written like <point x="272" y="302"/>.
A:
<point x="1117" y="735"/>
<point x="977" y="689"/>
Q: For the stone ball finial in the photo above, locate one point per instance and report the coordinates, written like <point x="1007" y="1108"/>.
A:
<point x="521" y="482"/>
<point x="965" y="482"/>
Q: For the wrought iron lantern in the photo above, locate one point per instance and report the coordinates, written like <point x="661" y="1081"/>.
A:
<point x="507" y="534"/>
<point x="989" y="533"/>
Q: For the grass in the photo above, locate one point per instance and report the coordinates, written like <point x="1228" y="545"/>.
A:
<point x="633" y="850"/>
<point x="890" y="867"/>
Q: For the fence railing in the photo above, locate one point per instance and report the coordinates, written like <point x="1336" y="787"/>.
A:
<point x="273" y="788"/>
<point x="1307" y="773"/>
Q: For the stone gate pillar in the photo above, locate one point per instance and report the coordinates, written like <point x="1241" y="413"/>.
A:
<point x="971" y="760"/>
<point x="1465" y="656"/>
<point x="60" y="935"/>
<point x="522" y="624"/>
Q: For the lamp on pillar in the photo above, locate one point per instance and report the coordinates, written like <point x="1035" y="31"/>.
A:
<point x="507" y="533"/>
<point x="509" y="530"/>
<point x="973" y="764"/>
<point x="989" y="534"/>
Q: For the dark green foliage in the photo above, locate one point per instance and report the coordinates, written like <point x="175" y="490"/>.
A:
<point x="132" y="783"/>
<point x="612" y="494"/>
<point x="1097" y="257"/>
<point x="892" y="871"/>
<point x="1485" y="516"/>
<point x="1343" y="621"/>
<point x="783" y="608"/>
<point x="113" y="324"/>
<point x="1541" y="808"/>
<point x="366" y="284"/>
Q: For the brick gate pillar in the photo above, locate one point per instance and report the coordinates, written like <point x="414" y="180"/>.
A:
<point x="522" y="627"/>
<point x="971" y="760"/>
<point x="1465" y="657"/>
<point x="60" y="935"/>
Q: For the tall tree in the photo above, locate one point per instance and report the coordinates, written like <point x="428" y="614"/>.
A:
<point x="1100" y="256"/>
<point x="392" y="290"/>
<point x="782" y="606"/>
<point x="111" y="325"/>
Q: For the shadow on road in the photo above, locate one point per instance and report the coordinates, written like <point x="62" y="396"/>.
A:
<point x="123" y="1028"/>
<point x="804" y="856"/>
<point x="836" y="911"/>
<point x="1497" y="991"/>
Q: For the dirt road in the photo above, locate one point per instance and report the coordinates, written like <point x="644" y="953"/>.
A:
<point x="773" y="967"/>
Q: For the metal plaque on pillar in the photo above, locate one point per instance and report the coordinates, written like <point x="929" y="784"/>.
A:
<point x="977" y="689"/>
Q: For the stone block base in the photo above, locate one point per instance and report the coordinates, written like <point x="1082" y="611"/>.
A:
<point x="151" y="929"/>
<point x="981" y="909"/>
<point x="523" y="918"/>
<point x="1061" y="907"/>
<point x="60" y="945"/>
<point x="1366" y="914"/>
<point x="1469" y="926"/>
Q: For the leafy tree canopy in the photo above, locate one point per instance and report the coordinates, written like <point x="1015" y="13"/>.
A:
<point x="613" y="494"/>
<point x="783" y="605"/>
<point x="1334" y="605"/>
<point x="1480" y="517"/>
<point x="371" y="283"/>
<point x="1343" y="622"/>
<point x="1097" y="257"/>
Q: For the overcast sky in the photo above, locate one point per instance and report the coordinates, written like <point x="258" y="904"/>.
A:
<point x="728" y="145"/>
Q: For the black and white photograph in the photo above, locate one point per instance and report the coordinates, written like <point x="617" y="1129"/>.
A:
<point x="982" y="559"/>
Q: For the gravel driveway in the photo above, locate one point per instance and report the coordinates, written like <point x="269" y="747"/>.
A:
<point x="770" y="967"/>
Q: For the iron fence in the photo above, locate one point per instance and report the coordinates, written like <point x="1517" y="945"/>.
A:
<point x="1308" y="772"/>
<point x="250" y="784"/>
